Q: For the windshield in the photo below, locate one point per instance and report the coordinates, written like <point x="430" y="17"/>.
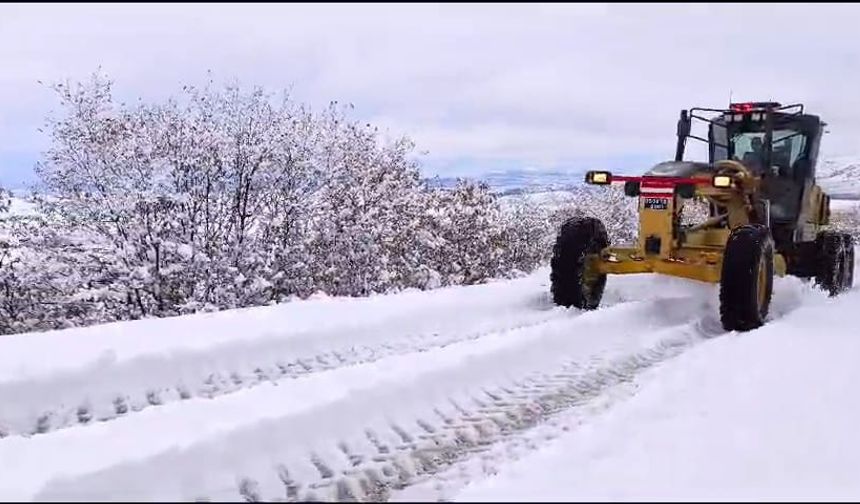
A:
<point x="788" y="147"/>
<point x="787" y="144"/>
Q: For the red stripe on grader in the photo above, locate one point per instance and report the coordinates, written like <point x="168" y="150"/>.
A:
<point x="660" y="181"/>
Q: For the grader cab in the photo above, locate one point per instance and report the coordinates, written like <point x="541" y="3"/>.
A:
<point x="766" y="216"/>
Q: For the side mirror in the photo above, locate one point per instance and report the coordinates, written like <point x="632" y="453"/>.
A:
<point x="684" y="124"/>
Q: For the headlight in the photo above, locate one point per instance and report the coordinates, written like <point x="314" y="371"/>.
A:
<point x="598" y="177"/>
<point x="722" y="181"/>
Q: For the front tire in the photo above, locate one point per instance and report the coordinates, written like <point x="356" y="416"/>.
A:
<point x="746" y="279"/>
<point x="572" y="284"/>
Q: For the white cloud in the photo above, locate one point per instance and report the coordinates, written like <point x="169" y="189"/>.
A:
<point x="533" y="84"/>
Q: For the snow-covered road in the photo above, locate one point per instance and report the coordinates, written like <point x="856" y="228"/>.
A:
<point x="403" y="396"/>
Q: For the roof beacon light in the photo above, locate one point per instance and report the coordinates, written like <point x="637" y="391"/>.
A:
<point x="747" y="107"/>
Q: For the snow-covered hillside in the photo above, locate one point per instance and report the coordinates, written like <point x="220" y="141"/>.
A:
<point x="419" y="395"/>
<point x="840" y="177"/>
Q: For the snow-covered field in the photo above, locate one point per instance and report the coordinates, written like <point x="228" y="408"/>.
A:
<point x="424" y="395"/>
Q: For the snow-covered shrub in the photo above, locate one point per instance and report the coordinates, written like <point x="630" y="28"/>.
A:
<point x="365" y="215"/>
<point x="179" y="190"/>
<point x="468" y="229"/>
<point x="529" y="233"/>
<point x="51" y="279"/>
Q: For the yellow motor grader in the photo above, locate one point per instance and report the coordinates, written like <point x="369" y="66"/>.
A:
<point x="766" y="216"/>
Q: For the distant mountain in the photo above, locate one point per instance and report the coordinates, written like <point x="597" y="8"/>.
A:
<point x="521" y="181"/>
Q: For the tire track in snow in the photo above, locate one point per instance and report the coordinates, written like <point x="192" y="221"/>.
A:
<point x="109" y="392"/>
<point x="384" y="438"/>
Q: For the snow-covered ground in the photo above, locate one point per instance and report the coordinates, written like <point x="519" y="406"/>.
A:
<point x="422" y="395"/>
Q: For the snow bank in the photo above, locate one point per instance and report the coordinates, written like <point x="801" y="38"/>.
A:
<point x="23" y="356"/>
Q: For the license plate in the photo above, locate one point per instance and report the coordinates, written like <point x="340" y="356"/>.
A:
<point x="656" y="203"/>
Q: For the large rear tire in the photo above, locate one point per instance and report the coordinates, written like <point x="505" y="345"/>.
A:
<point x="572" y="284"/>
<point x="832" y="265"/>
<point x="849" y="261"/>
<point x="746" y="279"/>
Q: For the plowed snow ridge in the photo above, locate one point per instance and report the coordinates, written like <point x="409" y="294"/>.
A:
<point x="454" y="371"/>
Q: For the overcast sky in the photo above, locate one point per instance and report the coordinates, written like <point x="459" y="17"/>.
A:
<point x="479" y="87"/>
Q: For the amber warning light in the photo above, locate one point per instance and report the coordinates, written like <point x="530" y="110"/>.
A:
<point x="598" y="178"/>
<point x="723" y="181"/>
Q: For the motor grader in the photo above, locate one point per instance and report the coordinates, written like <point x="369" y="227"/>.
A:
<point x="765" y="216"/>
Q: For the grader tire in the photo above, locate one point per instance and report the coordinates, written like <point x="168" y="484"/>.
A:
<point x="571" y="283"/>
<point x="832" y="264"/>
<point x="746" y="280"/>
<point x="849" y="262"/>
